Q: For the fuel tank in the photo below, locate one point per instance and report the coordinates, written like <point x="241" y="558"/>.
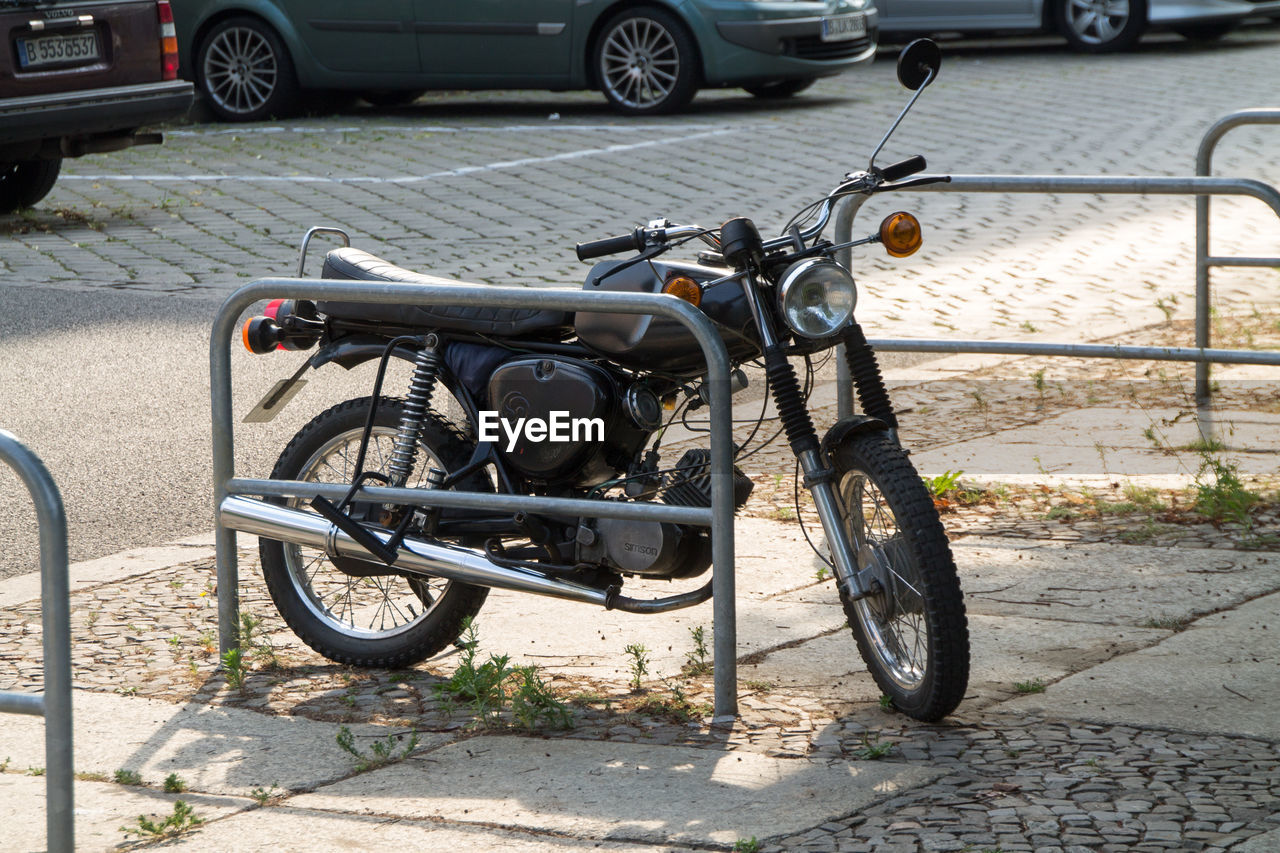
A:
<point x="642" y="341"/>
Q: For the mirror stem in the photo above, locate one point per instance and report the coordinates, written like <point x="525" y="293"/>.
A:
<point x="871" y="164"/>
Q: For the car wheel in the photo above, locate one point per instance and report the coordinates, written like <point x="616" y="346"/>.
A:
<point x="1101" y="26"/>
<point x="645" y="62"/>
<point x="26" y="182"/>
<point x="244" y="71"/>
<point x="781" y="88"/>
<point x="392" y="97"/>
<point x="1205" y="32"/>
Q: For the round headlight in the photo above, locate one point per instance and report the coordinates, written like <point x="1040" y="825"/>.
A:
<point x="816" y="296"/>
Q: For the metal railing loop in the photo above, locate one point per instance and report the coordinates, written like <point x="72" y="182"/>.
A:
<point x="719" y="517"/>
<point x="54" y="703"/>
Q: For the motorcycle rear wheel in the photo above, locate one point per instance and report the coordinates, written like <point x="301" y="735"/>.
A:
<point x="387" y="621"/>
<point x="912" y="633"/>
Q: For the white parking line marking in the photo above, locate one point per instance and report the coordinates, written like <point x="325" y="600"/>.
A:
<point x="420" y="128"/>
<point x="403" y="179"/>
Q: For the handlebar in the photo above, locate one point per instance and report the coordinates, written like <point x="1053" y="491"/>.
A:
<point x="633" y="242"/>
<point x="898" y="171"/>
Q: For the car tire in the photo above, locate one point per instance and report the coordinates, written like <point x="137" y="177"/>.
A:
<point x="244" y="71"/>
<point x="780" y="88"/>
<point x="26" y="182"/>
<point x="392" y="97"/>
<point x="1205" y="32"/>
<point x="1118" y="27"/>
<point x="645" y="62"/>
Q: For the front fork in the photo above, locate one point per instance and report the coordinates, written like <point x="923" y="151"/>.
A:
<point x="855" y="575"/>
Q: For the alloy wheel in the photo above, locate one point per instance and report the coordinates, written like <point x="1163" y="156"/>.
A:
<point x="1097" y="22"/>
<point x="640" y="63"/>
<point x="241" y="70"/>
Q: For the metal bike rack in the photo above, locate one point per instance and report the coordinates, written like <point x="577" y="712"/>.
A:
<point x="719" y="516"/>
<point x="1201" y="186"/>
<point x="54" y="704"/>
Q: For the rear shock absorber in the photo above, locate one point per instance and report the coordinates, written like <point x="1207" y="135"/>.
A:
<point x="421" y="388"/>
<point x="865" y="370"/>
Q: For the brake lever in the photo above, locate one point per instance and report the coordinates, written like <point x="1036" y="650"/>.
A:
<point x="648" y="254"/>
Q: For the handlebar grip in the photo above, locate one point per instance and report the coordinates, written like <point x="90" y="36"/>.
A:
<point x="633" y="242"/>
<point x="899" y="170"/>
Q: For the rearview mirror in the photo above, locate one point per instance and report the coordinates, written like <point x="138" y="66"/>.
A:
<point x="918" y="64"/>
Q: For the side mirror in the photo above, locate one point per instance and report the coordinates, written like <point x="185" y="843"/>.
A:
<point x="918" y="64"/>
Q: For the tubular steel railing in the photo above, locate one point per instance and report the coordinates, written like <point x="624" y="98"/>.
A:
<point x="1201" y="186"/>
<point x="54" y="703"/>
<point x="719" y="517"/>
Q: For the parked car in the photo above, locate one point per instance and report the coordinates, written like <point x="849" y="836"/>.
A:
<point x="251" y="58"/>
<point x="81" y="78"/>
<point x="1092" y="26"/>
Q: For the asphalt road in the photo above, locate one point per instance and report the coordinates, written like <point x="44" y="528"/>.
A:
<point x="110" y="286"/>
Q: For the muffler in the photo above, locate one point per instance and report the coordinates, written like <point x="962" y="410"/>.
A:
<point x="284" y="524"/>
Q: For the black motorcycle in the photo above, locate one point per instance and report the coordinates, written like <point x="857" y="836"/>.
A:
<point x="576" y="406"/>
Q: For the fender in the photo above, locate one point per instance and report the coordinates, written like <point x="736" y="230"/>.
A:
<point x="354" y="350"/>
<point x="849" y="427"/>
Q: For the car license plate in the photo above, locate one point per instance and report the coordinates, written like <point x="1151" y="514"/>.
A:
<point x="844" y="27"/>
<point x="49" y="50"/>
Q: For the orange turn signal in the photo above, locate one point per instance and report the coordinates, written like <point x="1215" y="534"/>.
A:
<point x="901" y="235"/>
<point x="685" y="288"/>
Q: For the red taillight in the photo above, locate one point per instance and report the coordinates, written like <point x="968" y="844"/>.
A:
<point x="168" y="41"/>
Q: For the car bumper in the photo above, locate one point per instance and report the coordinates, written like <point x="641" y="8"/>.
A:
<point x="90" y="113"/>
<point x="793" y="47"/>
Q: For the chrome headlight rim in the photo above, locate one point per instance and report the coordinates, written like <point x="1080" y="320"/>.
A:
<point x="795" y="276"/>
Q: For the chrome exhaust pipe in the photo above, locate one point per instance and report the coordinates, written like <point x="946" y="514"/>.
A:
<point x="284" y="524"/>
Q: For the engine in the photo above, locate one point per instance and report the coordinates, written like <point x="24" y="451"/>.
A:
<point x="564" y="421"/>
<point x="660" y="549"/>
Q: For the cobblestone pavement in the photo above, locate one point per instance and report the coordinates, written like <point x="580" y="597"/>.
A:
<point x="496" y="187"/>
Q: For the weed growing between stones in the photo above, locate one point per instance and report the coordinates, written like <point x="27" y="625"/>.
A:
<point x="697" y="661"/>
<point x="127" y="777"/>
<point x="384" y="751"/>
<point x="487" y="688"/>
<point x="639" y="664"/>
<point x="174" y="784"/>
<point x="1036" y="685"/>
<point x="182" y="820"/>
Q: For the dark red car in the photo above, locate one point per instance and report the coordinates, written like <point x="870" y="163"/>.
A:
<point x="80" y="78"/>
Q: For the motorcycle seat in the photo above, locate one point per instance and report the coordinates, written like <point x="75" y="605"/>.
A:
<point x="355" y="265"/>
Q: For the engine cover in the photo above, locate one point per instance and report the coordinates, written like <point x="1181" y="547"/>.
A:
<point x="574" y="392"/>
<point x="647" y="548"/>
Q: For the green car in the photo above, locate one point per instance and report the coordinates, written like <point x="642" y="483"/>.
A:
<point x="251" y="58"/>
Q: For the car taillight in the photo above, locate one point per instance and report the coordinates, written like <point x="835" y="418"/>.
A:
<point x="168" y="41"/>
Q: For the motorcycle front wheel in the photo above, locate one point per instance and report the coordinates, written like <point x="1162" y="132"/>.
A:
<point x="912" y="632"/>
<point x="380" y="620"/>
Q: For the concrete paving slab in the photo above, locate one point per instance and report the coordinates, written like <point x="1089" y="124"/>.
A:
<point x="772" y="558"/>
<point x="618" y="791"/>
<point x="1108" y="444"/>
<point x="215" y="750"/>
<point x="289" y="830"/>
<point x="1004" y="650"/>
<point x="1219" y="676"/>
<point x="1107" y="584"/>
<point x="101" y="809"/>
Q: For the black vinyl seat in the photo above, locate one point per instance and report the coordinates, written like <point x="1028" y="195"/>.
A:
<point x="356" y="265"/>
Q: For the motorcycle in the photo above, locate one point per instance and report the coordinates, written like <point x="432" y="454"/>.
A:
<point x="576" y="406"/>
